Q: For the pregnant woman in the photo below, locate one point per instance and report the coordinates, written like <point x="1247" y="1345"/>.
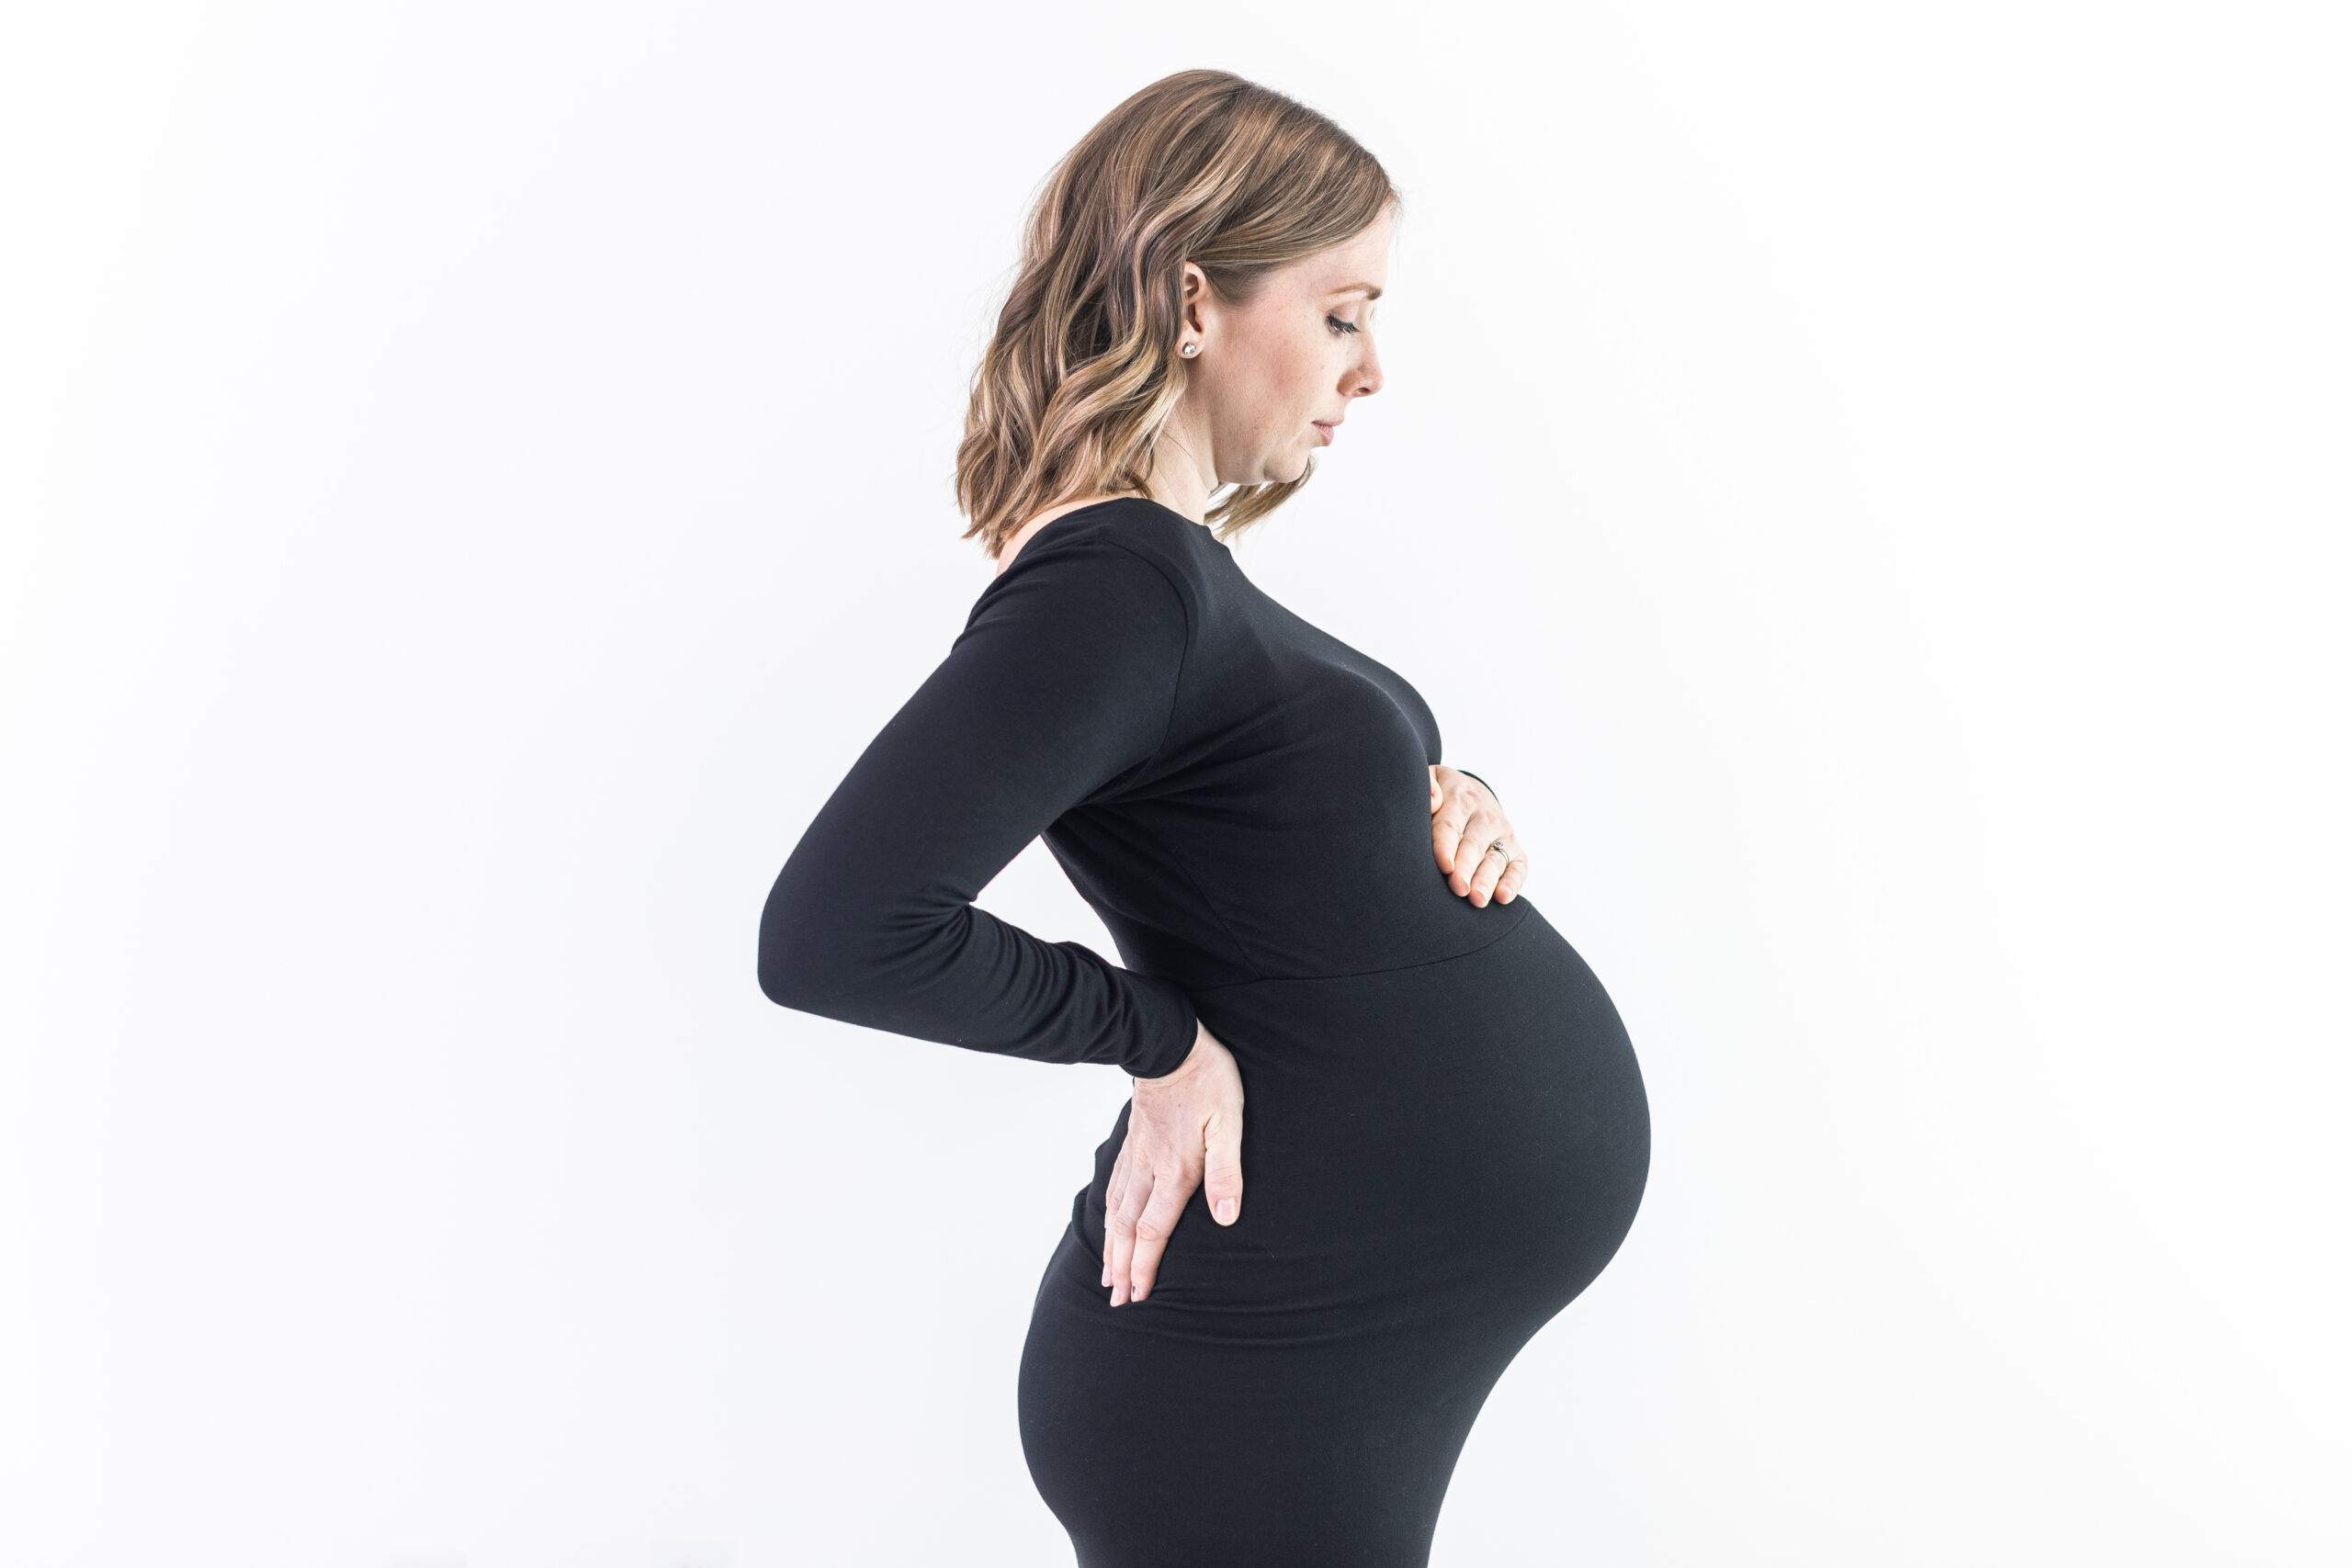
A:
<point x="1260" y="1342"/>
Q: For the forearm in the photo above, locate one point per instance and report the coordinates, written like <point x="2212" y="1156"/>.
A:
<point x="964" y="978"/>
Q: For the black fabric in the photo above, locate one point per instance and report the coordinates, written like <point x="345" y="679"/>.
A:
<point x="1446" y="1134"/>
<point x="1053" y="701"/>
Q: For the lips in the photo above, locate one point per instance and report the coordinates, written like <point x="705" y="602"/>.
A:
<point x="1328" y="428"/>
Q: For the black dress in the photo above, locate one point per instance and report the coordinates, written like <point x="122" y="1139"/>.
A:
<point x="1445" y="1136"/>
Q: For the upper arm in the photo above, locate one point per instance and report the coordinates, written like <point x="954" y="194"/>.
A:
<point x="1062" y="682"/>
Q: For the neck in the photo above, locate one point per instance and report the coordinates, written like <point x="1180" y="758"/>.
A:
<point x="1179" y="481"/>
<point x="1183" y="471"/>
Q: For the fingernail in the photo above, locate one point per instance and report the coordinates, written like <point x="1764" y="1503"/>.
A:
<point x="1224" y="1210"/>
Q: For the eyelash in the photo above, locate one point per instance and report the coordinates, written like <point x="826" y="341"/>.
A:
<point x="1340" y="327"/>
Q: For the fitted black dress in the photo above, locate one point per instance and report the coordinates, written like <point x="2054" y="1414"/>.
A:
<point x="1445" y="1136"/>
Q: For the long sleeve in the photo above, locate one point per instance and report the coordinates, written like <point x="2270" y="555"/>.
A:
<point x="1062" y="682"/>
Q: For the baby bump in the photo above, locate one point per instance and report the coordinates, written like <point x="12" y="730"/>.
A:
<point x="1454" y="1136"/>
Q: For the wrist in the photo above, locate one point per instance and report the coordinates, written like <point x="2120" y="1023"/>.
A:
<point x="1201" y="1038"/>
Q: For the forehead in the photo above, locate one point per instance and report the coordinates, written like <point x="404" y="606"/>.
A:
<point x="1359" y="266"/>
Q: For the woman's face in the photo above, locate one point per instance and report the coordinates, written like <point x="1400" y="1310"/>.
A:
<point x="1274" y="378"/>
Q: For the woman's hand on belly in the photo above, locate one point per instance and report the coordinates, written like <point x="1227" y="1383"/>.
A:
<point x="1182" y="1129"/>
<point x="1475" y="847"/>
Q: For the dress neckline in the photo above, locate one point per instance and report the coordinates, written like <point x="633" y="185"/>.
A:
<point x="1031" y="543"/>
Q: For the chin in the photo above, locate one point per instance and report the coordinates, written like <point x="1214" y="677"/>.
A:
<point x="1278" y="472"/>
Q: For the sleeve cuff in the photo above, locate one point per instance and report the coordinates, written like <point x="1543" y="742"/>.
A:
<point x="1170" y="1028"/>
<point x="1491" y="789"/>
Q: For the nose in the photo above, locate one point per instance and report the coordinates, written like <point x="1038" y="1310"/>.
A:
<point x="1366" y="377"/>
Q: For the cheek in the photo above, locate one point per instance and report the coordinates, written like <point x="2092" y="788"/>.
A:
<point x="1290" y="391"/>
<point x="1280" y="375"/>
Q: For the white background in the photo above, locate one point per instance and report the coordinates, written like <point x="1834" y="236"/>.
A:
<point x="1868" y="483"/>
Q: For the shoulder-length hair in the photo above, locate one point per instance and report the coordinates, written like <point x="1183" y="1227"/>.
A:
<point x="1203" y="167"/>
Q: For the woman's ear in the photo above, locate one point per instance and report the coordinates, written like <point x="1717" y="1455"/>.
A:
<point x="1197" y="300"/>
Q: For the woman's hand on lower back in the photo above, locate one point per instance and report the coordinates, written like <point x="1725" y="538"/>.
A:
<point x="1475" y="847"/>
<point x="1183" y="1130"/>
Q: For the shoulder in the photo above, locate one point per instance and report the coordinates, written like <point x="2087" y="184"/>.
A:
<point x="1088" y="602"/>
<point x="1127" y="554"/>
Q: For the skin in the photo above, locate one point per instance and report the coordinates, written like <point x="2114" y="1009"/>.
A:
<point x="1271" y="381"/>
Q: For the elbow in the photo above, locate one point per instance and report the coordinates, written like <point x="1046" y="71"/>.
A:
<point x="825" y="954"/>
<point x="854" y="956"/>
<point x="790" y="979"/>
<point x="780" y="981"/>
<point x="793" y="962"/>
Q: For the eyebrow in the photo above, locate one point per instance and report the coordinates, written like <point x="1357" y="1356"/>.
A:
<point x="1366" y="289"/>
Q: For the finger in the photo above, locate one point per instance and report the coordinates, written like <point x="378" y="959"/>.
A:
<point x="1123" y="1236"/>
<point x="1110" y="1194"/>
<point x="1514" y="878"/>
<point x="1437" y="792"/>
<point x="1114" y="1199"/>
<point x="1123" y="1249"/>
<point x="1221" y="1175"/>
<point x="1491" y="866"/>
<point x="1170" y="1192"/>
<point x="1481" y="828"/>
<point x="1445" y="831"/>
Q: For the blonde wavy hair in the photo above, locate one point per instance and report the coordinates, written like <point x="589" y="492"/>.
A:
<point x="1202" y="166"/>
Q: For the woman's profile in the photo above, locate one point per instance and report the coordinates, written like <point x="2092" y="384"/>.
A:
<point x="1384" y="1122"/>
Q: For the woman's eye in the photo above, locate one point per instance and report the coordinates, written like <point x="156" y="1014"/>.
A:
<point x="1339" y="326"/>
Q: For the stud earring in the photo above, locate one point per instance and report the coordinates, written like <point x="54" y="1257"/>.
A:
<point x="1191" y="349"/>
